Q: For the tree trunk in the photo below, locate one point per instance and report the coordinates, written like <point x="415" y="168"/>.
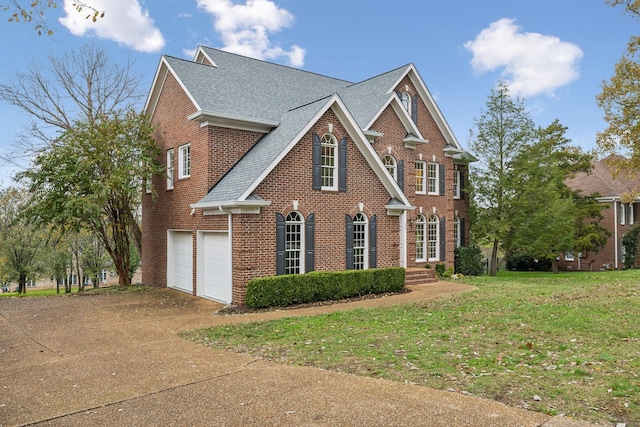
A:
<point x="493" y="267"/>
<point x="554" y="265"/>
<point x="22" y="284"/>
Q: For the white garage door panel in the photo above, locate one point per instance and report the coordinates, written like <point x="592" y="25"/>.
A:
<point x="182" y="261"/>
<point x="216" y="278"/>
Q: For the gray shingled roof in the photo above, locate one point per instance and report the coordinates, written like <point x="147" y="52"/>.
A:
<point x="262" y="155"/>
<point x="249" y="88"/>
<point x="255" y="90"/>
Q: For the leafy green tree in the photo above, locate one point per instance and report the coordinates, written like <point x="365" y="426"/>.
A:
<point x="34" y="11"/>
<point x="620" y="100"/>
<point x="59" y="261"/>
<point x="21" y="245"/>
<point x="91" y="178"/>
<point x="503" y="130"/>
<point x="630" y="245"/>
<point x="543" y="217"/>
<point x="94" y="258"/>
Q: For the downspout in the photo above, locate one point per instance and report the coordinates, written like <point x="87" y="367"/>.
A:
<point x="403" y="239"/>
<point x="230" y="227"/>
<point x="615" y="233"/>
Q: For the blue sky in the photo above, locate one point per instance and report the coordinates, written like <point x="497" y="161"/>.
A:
<point x="554" y="53"/>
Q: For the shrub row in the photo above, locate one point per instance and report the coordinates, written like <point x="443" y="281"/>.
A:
<point x="281" y="291"/>
<point x="526" y="262"/>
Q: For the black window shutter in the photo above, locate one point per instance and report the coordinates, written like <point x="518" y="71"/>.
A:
<point x="443" y="240"/>
<point x="317" y="158"/>
<point x="373" y="247"/>
<point x="280" y="244"/>
<point x="461" y="184"/>
<point x="349" y="240"/>
<point x="309" y="243"/>
<point x="462" y="242"/>
<point x="342" y="165"/>
<point x="400" y="174"/>
<point x="414" y="109"/>
<point x="441" y="178"/>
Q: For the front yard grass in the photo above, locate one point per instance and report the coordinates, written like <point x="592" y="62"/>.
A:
<point x="559" y="344"/>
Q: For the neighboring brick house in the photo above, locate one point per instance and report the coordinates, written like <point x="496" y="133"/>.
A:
<point x="618" y="217"/>
<point x="274" y="170"/>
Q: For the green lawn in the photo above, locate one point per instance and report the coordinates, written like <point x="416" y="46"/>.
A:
<point x="559" y="344"/>
<point x="74" y="289"/>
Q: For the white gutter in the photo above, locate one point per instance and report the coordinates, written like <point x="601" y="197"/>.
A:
<point x="615" y="233"/>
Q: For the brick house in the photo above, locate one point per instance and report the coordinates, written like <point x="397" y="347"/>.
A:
<point x="274" y="170"/>
<point x="619" y="216"/>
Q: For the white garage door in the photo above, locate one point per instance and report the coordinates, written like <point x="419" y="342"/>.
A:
<point x="215" y="266"/>
<point x="180" y="265"/>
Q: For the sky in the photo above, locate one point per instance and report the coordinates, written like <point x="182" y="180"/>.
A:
<point x="554" y="54"/>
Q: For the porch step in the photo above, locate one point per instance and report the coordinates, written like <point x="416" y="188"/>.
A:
<point x="419" y="276"/>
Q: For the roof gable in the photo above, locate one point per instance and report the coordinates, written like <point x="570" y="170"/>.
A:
<point x="238" y="185"/>
<point x="601" y="181"/>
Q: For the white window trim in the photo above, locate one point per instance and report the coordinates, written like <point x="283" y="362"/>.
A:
<point x="333" y="143"/>
<point x="568" y="256"/>
<point x="390" y="163"/>
<point x="437" y="240"/>
<point x="301" y="251"/>
<point x="423" y="167"/>
<point x="435" y="179"/>
<point x="456" y="232"/>
<point x="181" y="161"/>
<point x="405" y="98"/>
<point x="170" y="168"/>
<point x="630" y="214"/>
<point x="365" y="248"/>
<point x="421" y="221"/>
<point x="456" y="184"/>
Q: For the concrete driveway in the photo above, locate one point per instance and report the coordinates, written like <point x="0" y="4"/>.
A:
<point x="116" y="360"/>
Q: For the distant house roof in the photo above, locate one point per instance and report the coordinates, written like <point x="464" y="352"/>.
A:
<point x="601" y="181"/>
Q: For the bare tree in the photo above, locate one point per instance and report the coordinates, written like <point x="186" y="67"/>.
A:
<point x="81" y="86"/>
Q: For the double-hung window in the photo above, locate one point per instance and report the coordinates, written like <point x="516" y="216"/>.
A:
<point x="433" y="235"/>
<point x="421" y="181"/>
<point x="630" y="214"/>
<point x="421" y="224"/>
<point x="294" y="238"/>
<point x="170" y="169"/>
<point x="432" y="178"/>
<point x="456" y="184"/>
<point x="329" y="162"/>
<point x="184" y="161"/>
<point x="360" y="243"/>
<point x="456" y="232"/>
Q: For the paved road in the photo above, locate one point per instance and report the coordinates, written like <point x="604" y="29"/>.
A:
<point x="116" y="360"/>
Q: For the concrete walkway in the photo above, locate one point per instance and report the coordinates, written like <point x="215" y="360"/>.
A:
<point x="116" y="360"/>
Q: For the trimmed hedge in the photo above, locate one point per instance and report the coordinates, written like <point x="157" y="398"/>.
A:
<point x="285" y="290"/>
<point x="469" y="261"/>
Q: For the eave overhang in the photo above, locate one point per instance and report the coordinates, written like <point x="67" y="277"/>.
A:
<point x="231" y="207"/>
<point x="233" y="122"/>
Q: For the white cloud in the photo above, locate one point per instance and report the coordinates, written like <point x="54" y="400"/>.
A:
<point x="532" y="63"/>
<point x="124" y="22"/>
<point x="244" y="28"/>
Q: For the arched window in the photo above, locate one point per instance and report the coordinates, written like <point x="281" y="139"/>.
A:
<point x="421" y="224"/>
<point x="390" y="163"/>
<point x="432" y="238"/>
<point x="406" y="101"/>
<point x="329" y="162"/>
<point x="294" y="238"/>
<point x="360" y="241"/>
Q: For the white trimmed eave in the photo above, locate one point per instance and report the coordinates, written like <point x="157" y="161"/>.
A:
<point x="233" y="122"/>
<point x="201" y="54"/>
<point x="397" y="210"/>
<point x="430" y="102"/>
<point x="233" y="207"/>
<point x="412" y="141"/>
<point x="360" y="139"/>
<point x="158" y="83"/>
